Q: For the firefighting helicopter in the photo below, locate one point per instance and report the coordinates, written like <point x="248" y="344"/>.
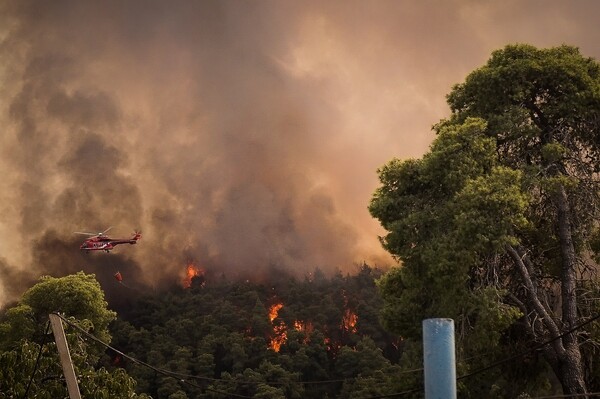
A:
<point x="101" y="242"/>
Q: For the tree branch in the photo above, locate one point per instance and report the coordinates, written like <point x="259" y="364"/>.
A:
<point x="534" y="299"/>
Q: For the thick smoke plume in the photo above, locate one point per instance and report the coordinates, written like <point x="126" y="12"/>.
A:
<point x="242" y="135"/>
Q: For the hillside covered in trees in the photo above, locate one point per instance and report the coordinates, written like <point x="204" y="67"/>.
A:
<point x="314" y="337"/>
<point x="287" y="338"/>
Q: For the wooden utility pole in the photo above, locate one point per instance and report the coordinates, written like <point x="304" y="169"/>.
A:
<point x="65" y="356"/>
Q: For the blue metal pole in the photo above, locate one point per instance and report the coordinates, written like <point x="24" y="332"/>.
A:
<point x="438" y="359"/>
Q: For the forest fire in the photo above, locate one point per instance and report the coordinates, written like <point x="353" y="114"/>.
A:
<point x="279" y="336"/>
<point x="349" y="321"/>
<point x="191" y="272"/>
<point x="280" y="333"/>
<point x="279" y="330"/>
<point x="306" y="327"/>
<point x="274" y="311"/>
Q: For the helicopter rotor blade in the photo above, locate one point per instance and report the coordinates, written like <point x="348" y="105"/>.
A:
<point x="84" y="233"/>
<point x="105" y="230"/>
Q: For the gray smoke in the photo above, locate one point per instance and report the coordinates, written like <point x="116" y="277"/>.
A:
<point x="242" y="135"/>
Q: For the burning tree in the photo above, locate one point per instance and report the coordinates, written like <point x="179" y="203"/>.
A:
<point x="192" y="272"/>
<point x="279" y="328"/>
<point x="349" y="321"/>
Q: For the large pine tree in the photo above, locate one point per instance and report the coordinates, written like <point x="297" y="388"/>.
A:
<point x="496" y="224"/>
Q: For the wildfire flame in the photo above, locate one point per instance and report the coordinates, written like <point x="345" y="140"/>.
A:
<point x="280" y="333"/>
<point x="191" y="271"/>
<point x="306" y="327"/>
<point x="279" y="330"/>
<point x="349" y="321"/>
<point x="280" y="336"/>
<point x="274" y="311"/>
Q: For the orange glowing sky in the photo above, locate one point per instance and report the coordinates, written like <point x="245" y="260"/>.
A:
<point x="242" y="134"/>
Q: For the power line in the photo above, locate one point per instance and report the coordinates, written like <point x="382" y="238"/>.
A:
<point x="500" y="362"/>
<point x="155" y="369"/>
<point x="309" y="382"/>
<point x="182" y="377"/>
<point x="533" y="349"/>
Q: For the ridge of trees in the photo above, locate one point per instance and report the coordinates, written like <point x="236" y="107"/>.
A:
<point x="217" y="334"/>
<point x="221" y="332"/>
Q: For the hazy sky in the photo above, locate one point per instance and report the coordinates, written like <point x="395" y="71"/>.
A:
<point x="243" y="135"/>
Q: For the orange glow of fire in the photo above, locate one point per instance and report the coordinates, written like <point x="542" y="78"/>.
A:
<point x="279" y="337"/>
<point x="306" y="327"/>
<point x="279" y="330"/>
<point x="332" y="347"/>
<point x="191" y="272"/>
<point x="274" y="311"/>
<point x="349" y="321"/>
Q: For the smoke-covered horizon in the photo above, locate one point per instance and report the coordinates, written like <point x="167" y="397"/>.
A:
<point x="242" y="135"/>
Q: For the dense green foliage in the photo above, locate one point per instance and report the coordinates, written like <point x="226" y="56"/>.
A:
<point x="78" y="295"/>
<point x="24" y="331"/>
<point x="219" y="335"/>
<point x="496" y="225"/>
<point x="214" y="339"/>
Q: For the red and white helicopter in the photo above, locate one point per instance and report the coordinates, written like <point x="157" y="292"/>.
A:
<point x="101" y="242"/>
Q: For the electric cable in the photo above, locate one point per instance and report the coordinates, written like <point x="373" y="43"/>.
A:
<point x="37" y="360"/>
<point x="183" y="376"/>
<point x="309" y="382"/>
<point x="532" y="349"/>
<point x="500" y="362"/>
<point x="157" y="370"/>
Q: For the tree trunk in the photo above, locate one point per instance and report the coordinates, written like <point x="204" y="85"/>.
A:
<point x="563" y="353"/>
<point x="570" y="372"/>
<point x="569" y="365"/>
